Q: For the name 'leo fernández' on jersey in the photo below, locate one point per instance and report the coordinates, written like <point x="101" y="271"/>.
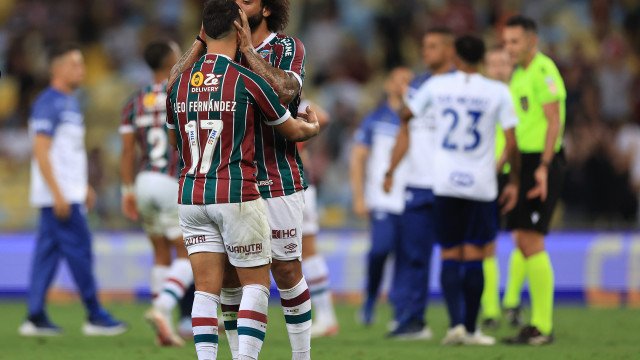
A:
<point x="215" y="129"/>
<point x="280" y="170"/>
<point x="145" y="115"/>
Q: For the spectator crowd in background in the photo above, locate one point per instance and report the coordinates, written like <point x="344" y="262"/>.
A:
<point x="351" y="44"/>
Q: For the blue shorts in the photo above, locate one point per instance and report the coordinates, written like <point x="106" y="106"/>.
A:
<point x="463" y="221"/>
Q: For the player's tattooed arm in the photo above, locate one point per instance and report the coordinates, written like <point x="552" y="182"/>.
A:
<point x="285" y="84"/>
<point x="189" y="58"/>
<point x="302" y="128"/>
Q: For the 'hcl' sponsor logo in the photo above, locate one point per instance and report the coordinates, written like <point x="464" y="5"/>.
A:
<point x="193" y="240"/>
<point x="284" y="234"/>
<point x="245" y="249"/>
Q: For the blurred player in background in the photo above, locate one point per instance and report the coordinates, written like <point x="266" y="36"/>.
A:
<point x="314" y="266"/>
<point x="467" y="107"/>
<point x="370" y="157"/>
<point x="539" y="96"/>
<point x="152" y="196"/>
<point x="411" y="278"/>
<point x="60" y="189"/>
<point x="221" y="208"/>
<point x="498" y="67"/>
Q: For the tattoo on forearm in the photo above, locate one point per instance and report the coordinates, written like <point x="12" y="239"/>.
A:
<point x="186" y="60"/>
<point x="286" y="86"/>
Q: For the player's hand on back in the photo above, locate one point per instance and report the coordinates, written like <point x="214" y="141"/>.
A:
<point x="540" y="189"/>
<point x="244" y="32"/>
<point x="61" y="208"/>
<point x="129" y="207"/>
<point x="509" y="198"/>
<point x="309" y="115"/>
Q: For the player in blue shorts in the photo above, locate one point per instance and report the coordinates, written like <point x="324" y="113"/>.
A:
<point x="60" y="190"/>
<point x="415" y="139"/>
<point x="467" y="107"/>
<point x="369" y="160"/>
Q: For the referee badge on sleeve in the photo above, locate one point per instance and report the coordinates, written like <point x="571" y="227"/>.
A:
<point x="524" y="103"/>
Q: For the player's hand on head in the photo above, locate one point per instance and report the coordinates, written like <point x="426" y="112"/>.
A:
<point x="244" y="32"/>
<point x="509" y="198"/>
<point x="129" y="207"/>
<point x="540" y="189"/>
<point x="61" y="208"/>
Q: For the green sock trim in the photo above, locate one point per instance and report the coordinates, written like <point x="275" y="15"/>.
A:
<point x="298" y="319"/>
<point x="207" y="338"/>
<point x="515" y="280"/>
<point x="231" y="325"/>
<point x="243" y="330"/>
<point x="541" y="284"/>
<point x="491" y="294"/>
<point x="170" y="292"/>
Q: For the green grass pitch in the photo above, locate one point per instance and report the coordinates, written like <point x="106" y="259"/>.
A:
<point x="581" y="333"/>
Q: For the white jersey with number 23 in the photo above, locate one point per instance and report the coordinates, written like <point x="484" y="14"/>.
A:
<point x="467" y="108"/>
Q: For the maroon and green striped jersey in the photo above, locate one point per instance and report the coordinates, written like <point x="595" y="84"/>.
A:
<point x="280" y="169"/>
<point x="214" y="107"/>
<point x="145" y="115"/>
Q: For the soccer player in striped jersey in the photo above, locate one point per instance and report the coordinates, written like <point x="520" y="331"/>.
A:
<point x="280" y="60"/>
<point x="212" y="111"/>
<point x="468" y="107"/>
<point x="143" y="124"/>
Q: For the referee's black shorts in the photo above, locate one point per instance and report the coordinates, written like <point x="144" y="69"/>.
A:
<point x="534" y="214"/>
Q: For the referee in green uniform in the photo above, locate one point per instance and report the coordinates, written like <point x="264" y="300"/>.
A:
<point x="539" y="95"/>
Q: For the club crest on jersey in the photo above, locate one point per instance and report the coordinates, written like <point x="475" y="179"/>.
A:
<point x="524" y="103"/>
<point x="265" y="53"/>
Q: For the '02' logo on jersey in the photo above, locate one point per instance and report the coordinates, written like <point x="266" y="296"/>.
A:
<point x="198" y="79"/>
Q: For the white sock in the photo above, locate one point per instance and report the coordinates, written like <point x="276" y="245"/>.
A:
<point x="230" y="299"/>
<point x="296" y="305"/>
<point x="316" y="272"/>
<point x="204" y="321"/>
<point x="178" y="280"/>
<point x="158" y="276"/>
<point x="252" y="320"/>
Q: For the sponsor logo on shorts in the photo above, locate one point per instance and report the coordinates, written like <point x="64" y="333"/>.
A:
<point x="265" y="183"/>
<point x="250" y="249"/>
<point x="290" y="248"/>
<point x="284" y="234"/>
<point x="193" y="240"/>
<point x="461" y="179"/>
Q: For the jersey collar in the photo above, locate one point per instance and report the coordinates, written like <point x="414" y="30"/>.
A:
<point x="267" y="40"/>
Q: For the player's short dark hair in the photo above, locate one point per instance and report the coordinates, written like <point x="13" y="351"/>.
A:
<point x="156" y="52"/>
<point x="439" y="30"/>
<point x="61" y="49"/>
<point x="218" y="17"/>
<point x="470" y="49"/>
<point x="527" y="23"/>
<point x="279" y="17"/>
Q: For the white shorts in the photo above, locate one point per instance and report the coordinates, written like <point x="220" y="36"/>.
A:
<point x="157" y="202"/>
<point x="239" y="229"/>
<point x="310" y="215"/>
<point x="285" y="220"/>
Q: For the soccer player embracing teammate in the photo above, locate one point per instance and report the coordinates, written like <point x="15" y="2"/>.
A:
<point x="217" y="108"/>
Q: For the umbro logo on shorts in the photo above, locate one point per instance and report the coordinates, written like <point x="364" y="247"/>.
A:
<point x="291" y="247"/>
